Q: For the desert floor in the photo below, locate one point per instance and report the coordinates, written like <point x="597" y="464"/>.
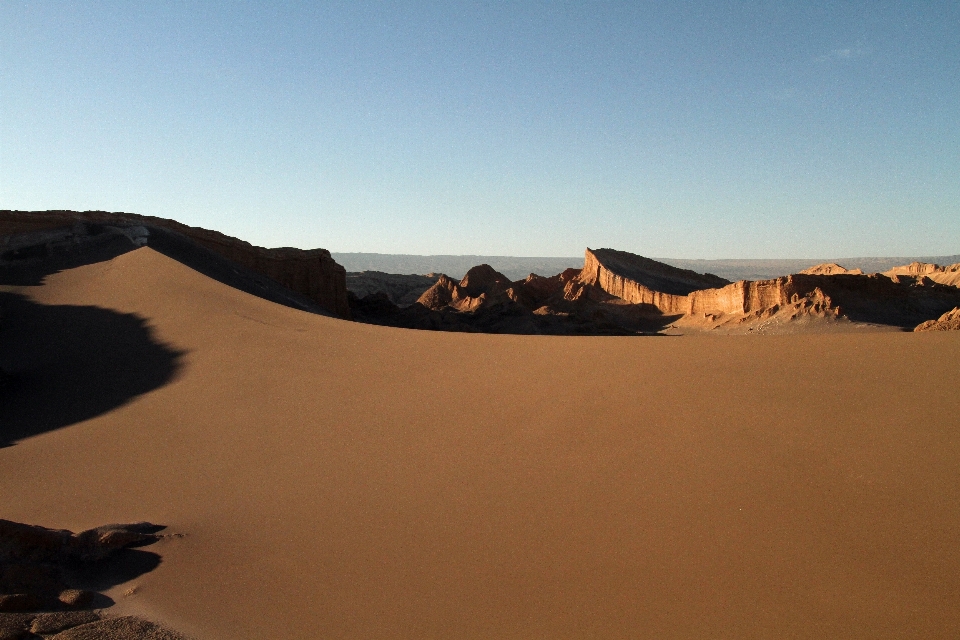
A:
<point x="340" y="480"/>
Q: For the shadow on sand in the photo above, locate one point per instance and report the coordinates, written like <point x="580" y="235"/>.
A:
<point x="65" y="364"/>
<point x="62" y="364"/>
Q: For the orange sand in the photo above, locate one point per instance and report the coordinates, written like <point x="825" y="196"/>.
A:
<point x="340" y="480"/>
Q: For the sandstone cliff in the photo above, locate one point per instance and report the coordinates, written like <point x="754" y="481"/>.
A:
<point x="612" y="269"/>
<point x="826" y="291"/>
<point x="312" y="273"/>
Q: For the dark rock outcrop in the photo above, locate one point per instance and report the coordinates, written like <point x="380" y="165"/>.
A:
<point x="123" y="628"/>
<point x="46" y="578"/>
<point x="950" y="321"/>
<point x="57" y="621"/>
<point x="42" y="568"/>
<point x="401" y="290"/>
<point x="81" y="625"/>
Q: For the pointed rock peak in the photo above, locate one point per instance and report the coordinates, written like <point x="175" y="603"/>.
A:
<point x="830" y="269"/>
<point x="482" y="279"/>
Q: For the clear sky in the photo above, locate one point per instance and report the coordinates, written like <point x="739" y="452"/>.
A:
<point x="673" y="129"/>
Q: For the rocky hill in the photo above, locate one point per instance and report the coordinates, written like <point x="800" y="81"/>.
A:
<point x="620" y="293"/>
<point x="829" y="269"/>
<point x="312" y="273"/>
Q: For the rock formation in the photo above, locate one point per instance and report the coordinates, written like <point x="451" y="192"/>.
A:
<point x="642" y="281"/>
<point x="949" y="275"/>
<point x="617" y="292"/>
<point x="44" y="579"/>
<point x="950" y="321"/>
<point x="487" y="301"/>
<point x="829" y="269"/>
<point x="38" y="565"/>
<point x="81" y="625"/>
<point x="312" y="273"/>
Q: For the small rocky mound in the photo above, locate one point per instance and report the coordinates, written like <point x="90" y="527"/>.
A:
<point x="950" y="321"/>
<point x="830" y="269"/>
<point x="45" y="578"/>
<point x="38" y="566"/>
<point x="80" y="625"/>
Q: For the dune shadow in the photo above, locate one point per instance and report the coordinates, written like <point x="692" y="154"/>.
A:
<point x="64" y="364"/>
<point x="123" y="566"/>
<point x="30" y="265"/>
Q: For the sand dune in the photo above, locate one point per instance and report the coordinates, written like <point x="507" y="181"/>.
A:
<point x="342" y="480"/>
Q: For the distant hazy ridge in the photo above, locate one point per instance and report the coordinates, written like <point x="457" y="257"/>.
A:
<point x="514" y="267"/>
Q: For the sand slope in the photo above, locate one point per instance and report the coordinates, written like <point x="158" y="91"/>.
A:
<point x="340" y="480"/>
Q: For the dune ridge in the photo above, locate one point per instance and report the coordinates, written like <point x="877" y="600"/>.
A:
<point x="312" y="273"/>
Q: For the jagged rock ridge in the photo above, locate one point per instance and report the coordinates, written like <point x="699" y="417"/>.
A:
<point x="617" y="292"/>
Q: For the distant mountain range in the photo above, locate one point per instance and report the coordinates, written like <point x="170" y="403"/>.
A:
<point x="519" y="267"/>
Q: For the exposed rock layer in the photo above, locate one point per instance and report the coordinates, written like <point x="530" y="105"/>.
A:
<point x="312" y="273"/>
<point x="632" y="277"/>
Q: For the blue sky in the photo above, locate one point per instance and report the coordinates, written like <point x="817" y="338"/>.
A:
<point x="687" y="129"/>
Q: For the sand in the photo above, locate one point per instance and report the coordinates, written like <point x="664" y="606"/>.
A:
<point x="341" y="480"/>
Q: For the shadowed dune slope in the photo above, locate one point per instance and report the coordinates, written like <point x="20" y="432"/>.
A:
<point x="341" y="480"/>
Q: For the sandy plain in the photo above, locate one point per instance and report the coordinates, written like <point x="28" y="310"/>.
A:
<point x="341" y="480"/>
